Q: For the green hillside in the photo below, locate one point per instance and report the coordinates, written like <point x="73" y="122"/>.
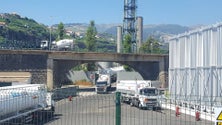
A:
<point x="21" y="32"/>
<point x="18" y="32"/>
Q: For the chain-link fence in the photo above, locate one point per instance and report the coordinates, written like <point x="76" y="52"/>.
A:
<point x="30" y="105"/>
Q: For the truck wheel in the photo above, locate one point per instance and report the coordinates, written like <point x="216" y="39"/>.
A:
<point x="41" y="117"/>
<point x="50" y="113"/>
<point x="122" y="99"/>
<point x="157" y="108"/>
<point x="38" y="117"/>
<point x="131" y="103"/>
<point x="140" y="106"/>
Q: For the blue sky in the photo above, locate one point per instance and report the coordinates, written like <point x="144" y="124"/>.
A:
<point x="182" y="12"/>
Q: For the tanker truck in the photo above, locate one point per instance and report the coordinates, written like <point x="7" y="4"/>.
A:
<point x="23" y="104"/>
<point x="103" y="83"/>
<point x="139" y="93"/>
<point x="64" y="44"/>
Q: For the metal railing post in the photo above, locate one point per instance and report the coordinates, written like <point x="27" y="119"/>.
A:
<point x="118" y="109"/>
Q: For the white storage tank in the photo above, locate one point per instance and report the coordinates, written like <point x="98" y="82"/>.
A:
<point x="14" y="99"/>
<point x="195" y="65"/>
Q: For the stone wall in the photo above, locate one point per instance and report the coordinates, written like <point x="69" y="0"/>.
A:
<point x="35" y="64"/>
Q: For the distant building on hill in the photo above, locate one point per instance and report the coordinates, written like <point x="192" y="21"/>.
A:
<point x="2" y="24"/>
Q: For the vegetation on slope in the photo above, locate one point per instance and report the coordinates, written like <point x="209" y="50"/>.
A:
<point x="21" y="32"/>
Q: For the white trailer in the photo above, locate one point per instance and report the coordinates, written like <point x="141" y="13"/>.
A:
<point x="139" y="93"/>
<point x="25" y="103"/>
<point x="64" y="44"/>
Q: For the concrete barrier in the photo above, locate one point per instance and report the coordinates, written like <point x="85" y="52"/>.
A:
<point x="65" y="92"/>
<point x="188" y="111"/>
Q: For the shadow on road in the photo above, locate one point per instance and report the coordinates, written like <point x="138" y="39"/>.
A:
<point x="49" y="120"/>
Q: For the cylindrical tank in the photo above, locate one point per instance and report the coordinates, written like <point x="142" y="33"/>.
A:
<point x="119" y="39"/>
<point x="128" y="86"/>
<point x="139" y="36"/>
<point x="20" y="97"/>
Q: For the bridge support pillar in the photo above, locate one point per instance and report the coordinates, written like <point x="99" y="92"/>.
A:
<point x="163" y="72"/>
<point x="162" y="65"/>
<point x="50" y="74"/>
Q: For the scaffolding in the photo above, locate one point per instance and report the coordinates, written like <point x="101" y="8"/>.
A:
<point x="129" y="27"/>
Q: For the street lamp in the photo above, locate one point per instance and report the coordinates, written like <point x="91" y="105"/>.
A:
<point x="151" y="48"/>
<point x="50" y="37"/>
<point x="50" y="34"/>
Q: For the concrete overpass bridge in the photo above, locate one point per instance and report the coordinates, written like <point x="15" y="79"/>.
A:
<point x="51" y="67"/>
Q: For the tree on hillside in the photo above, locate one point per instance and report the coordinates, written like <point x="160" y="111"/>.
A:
<point x="156" y="47"/>
<point x="86" y="67"/>
<point x="150" y="46"/>
<point x="90" y="38"/>
<point x="127" y="68"/>
<point x="127" y="44"/>
<point x="61" y="31"/>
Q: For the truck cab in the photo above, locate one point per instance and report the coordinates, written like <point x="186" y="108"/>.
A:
<point x="44" y="44"/>
<point x="148" y="98"/>
<point x="101" y="87"/>
<point x="103" y="83"/>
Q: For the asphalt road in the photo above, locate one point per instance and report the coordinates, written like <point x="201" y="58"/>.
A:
<point x="99" y="109"/>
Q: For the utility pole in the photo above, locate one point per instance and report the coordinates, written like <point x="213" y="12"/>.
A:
<point x="50" y="37"/>
<point x="50" y="34"/>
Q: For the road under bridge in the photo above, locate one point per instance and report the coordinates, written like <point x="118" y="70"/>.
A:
<point x="51" y="67"/>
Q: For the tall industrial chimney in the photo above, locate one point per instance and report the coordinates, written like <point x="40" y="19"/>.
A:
<point x="139" y="33"/>
<point x="119" y="39"/>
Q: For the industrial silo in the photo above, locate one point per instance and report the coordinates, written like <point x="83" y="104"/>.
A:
<point x="139" y="36"/>
<point x="119" y="39"/>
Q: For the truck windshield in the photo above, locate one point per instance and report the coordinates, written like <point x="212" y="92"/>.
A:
<point x="148" y="92"/>
<point x="101" y="83"/>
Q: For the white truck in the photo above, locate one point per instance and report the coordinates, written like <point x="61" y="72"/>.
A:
<point x="22" y="104"/>
<point x="139" y="93"/>
<point x="64" y="44"/>
<point x="103" y="83"/>
<point x="44" y="44"/>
